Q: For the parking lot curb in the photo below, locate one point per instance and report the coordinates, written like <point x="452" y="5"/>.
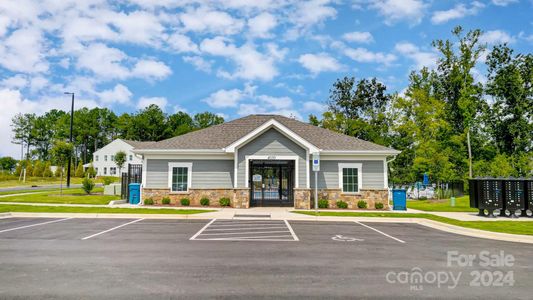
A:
<point x="5" y="215"/>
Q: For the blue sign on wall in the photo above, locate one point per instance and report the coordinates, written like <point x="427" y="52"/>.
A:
<point x="426" y="179"/>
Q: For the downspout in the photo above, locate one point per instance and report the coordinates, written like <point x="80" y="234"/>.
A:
<point x="387" y="163"/>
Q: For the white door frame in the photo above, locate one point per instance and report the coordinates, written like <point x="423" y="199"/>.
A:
<point x="247" y="159"/>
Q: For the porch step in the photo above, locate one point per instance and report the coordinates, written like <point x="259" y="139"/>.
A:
<point x="251" y="216"/>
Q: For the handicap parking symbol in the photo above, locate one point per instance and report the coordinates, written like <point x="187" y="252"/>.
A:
<point x="341" y="238"/>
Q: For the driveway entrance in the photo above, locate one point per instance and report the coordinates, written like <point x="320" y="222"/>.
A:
<point x="271" y="182"/>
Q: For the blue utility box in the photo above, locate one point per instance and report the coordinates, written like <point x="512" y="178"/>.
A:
<point x="135" y="193"/>
<point x="399" y="197"/>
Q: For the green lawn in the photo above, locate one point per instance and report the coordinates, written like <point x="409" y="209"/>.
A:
<point x="495" y="226"/>
<point x="40" y="181"/>
<point x="96" y="210"/>
<point x="461" y="204"/>
<point x="70" y="196"/>
<point x="26" y="191"/>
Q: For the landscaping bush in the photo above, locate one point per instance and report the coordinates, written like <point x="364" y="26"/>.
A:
<point x="107" y="180"/>
<point x="204" y="201"/>
<point x="79" y="170"/>
<point x="323" y="203"/>
<point x="58" y="172"/>
<point x="88" y="185"/>
<point x="422" y="198"/>
<point x="47" y="170"/>
<point x="165" y="201"/>
<point x="378" y="205"/>
<point x="148" y="201"/>
<point x="38" y="169"/>
<point x="224" y="201"/>
<point x="185" y="202"/>
<point x="361" y="204"/>
<point x="342" y="204"/>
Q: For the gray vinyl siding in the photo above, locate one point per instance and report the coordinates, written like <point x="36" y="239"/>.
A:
<point x="272" y="143"/>
<point x="328" y="177"/>
<point x="205" y="173"/>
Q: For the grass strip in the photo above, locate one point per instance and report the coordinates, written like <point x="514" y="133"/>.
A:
<point x="513" y="227"/>
<point x="96" y="210"/>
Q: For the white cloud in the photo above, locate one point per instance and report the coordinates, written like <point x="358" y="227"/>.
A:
<point x="411" y="11"/>
<point x="365" y="56"/>
<point x="250" y="63"/>
<point x="150" y="69"/>
<point x="119" y="94"/>
<point x="321" y="62"/>
<point x="421" y="58"/>
<point x="137" y="27"/>
<point x="494" y="37"/>
<point x="146" y="101"/>
<point x="224" y="98"/>
<point x="276" y="102"/>
<point x="457" y="12"/>
<point x="18" y="81"/>
<point x="261" y="25"/>
<point x="103" y="61"/>
<point x="37" y="83"/>
<point x="182" y="43"/>
<point x="364" y="37"/>
<point x="206" y="20"/>
<point x="199" y="63"/>
<point x="23" y="51"/>
<point x="503" y="2"/>
<point x="312" y="106"/>
<point x="307" y="14"/>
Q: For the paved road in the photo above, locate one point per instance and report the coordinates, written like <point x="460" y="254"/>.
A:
<point x="41" y="187"/>
<point x="144" y="259"/>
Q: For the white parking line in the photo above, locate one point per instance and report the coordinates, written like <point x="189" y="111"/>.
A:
<point x="32" y="225"/>
<point x="253" y="232"/>
<point x="111" y="229"/>
<point x="245" y="228"/>
<point x="292" y="231"/>
<point x="244" y="224"/>
<point x="201" y="230"/>
<point x="381" y="232"/>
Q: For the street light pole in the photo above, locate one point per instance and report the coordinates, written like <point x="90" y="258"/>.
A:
<point x="70" y="139"/>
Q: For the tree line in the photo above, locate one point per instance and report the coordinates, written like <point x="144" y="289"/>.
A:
<point x="446" y="123"/>
<point x="94" y="128"/>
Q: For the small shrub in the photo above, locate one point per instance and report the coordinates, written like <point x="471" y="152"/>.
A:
<point x="378" y="205"/>
<point x="204" y="201"/>
<point x="148" y="201"/>
<point x="323" y="203"/>
<point x="342" y="204"/>
<point x="165" y="201"/>
<point x="107" y="180"/>
<point x="224" y="201"/>
<point x="87" y="184"/>
<point x="79" y="170"/>
<point x="361" y="204"/>
<point x="185" y="202"/>
<point x="422" y="198"/>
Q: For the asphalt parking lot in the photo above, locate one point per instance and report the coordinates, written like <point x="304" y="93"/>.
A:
<point x="150" y="258"/>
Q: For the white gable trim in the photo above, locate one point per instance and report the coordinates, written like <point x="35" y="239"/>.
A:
<point x="266" y="126"/>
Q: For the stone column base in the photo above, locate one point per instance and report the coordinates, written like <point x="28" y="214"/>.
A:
<point x="239" y="198"/>
<point x="302" y="198"/>
<point x="371" y="197"/>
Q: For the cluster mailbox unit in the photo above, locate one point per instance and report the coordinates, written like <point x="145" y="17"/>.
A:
<point x="508" y="196"/>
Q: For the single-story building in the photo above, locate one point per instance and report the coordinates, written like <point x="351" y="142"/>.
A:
<point x="265" y="160"/>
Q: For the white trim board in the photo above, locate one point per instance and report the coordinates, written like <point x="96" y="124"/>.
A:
<point x="266" y="126"/>
<point x="247" y="159"/>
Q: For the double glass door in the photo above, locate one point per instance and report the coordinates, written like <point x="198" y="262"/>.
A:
<point x="271" y="183"/>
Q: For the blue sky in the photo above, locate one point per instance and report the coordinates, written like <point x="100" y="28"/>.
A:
<point x="233" y="57"/>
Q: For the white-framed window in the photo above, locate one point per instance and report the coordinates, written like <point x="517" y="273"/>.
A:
<point x="96" y="158"/>
<point x="96" y="170"/>
<point x="105" y="157"/>
<point x="350" y="177"/>
<point x="112" y="171"/>
<point x="131" y="157"/>
<point x="179" y="177"/>
<point x="105" y="170"/>
<point x="112" y="158"/>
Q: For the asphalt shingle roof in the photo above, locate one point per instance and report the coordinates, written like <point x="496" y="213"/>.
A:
<point x="222" y="135"/>
<point x="137" y="144"/>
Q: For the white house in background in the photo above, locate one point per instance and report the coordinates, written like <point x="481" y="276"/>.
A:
<point x="104" y="158"/>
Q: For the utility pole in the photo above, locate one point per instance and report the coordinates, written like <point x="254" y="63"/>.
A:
<point x="70" y="139"/>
